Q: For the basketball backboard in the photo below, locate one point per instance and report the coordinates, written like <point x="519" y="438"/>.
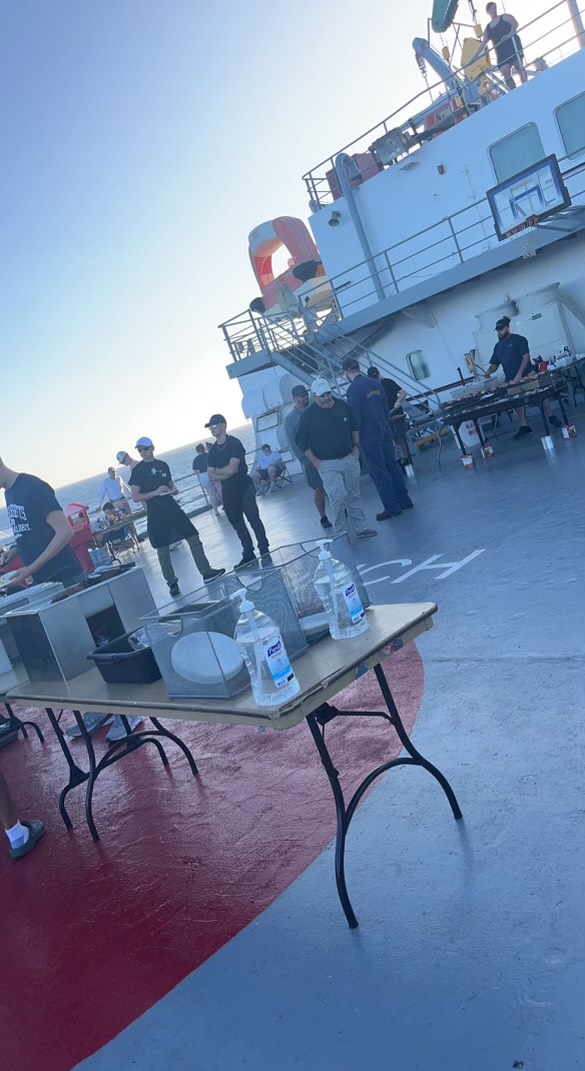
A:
<point x="528" y="198"/>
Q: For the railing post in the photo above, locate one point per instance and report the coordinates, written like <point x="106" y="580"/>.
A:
<point x="454" y="236"/>
<point x="229" y="343"/>
<point x="391" y="270"/>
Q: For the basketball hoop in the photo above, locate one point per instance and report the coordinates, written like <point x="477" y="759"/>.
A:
<point x="524" y="234"/>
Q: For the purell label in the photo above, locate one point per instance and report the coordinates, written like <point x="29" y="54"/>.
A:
<point x="278" y="663"/>
<point x="353" y="603"/>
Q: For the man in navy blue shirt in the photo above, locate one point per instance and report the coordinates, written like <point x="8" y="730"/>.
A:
<point x="41" y="531"/>
<point x="370" y="407"/>
<point x="512" y="352"/>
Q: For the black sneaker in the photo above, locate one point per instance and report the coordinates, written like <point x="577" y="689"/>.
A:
<point x="409" y="505"/>
<point x="387" y="514"/>
<point x="525" y="430"/>
<point x="248" y="559"/>
<point x="174" y="590"/>
<point x="326" y="523"/>
<point x="36" y="830"/>
<point x="213" y="574"/>
<point x="554" y="420"/>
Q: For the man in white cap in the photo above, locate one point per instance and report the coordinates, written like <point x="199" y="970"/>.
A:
<point x="328" y="435"/>
<point x="123" y="458"/>
<point x="152" y="484"/>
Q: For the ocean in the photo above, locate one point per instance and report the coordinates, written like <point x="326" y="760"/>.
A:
<point x="87" y="492"/>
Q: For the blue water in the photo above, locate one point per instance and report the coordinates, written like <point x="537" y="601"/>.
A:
<point x="87" y="491"/>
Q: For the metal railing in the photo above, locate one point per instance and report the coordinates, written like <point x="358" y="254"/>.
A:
<point x="458" y="238"/>
<point x="561" y="40"/>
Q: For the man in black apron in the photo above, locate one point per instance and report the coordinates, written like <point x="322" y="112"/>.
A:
<point x="151" y="483"/>
<point x="226" y="463"/>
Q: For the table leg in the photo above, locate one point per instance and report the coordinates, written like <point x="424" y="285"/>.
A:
<point x="562" y="408"/>
<point x="176" y="740"/>
<point x="544" y="419"/>
<point x="77" y="776"/>
<point x="345" y="812"/>
<point x="21" y="726"/>
<point x="131" y="742"/>
<point x="477" y="427"/>
<point x="458" y="437"/>
<point x="409" y="746"/>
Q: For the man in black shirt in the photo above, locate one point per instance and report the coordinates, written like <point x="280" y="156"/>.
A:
<point x="210" y="487"/>
<point x="393" y="391"/>
<point x="512" y="352"/>
<point x="41" y="530"/>
<point x="328" y="434"/>
<point x="151" y="483"/>
<point x="226" y="463"/>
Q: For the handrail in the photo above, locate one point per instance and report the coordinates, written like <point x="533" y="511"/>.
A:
<point x="312" y="180"/>
<point x="243" y="331"/>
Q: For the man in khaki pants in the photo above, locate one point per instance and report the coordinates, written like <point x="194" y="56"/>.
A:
<point x="329" y="437"/>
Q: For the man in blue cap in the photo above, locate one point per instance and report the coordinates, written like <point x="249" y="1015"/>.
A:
<point x="370" y="407"/>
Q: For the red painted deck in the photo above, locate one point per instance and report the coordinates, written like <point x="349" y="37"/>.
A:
<point x="93" y="935"/>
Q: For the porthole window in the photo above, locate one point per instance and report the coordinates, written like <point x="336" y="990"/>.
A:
<point x="418" y="364"/>
<point x="571" y="120"/>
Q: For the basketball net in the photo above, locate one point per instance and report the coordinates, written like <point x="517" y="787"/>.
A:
<point x="524" y="234"/>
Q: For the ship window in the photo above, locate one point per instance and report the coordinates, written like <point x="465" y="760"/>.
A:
<point x="418" y="364"/>
<point x="517" y="151"/>
<point x="571" y="120"/>
<point x="267" y="421"/>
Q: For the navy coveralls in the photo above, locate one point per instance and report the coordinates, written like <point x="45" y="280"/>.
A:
<point x="368" y="401"/>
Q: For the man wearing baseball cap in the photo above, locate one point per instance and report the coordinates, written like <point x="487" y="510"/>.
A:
<point x="227" y="464"/>
<point x="512" y="352"/>
<point x="151" y="483"/>
<point x="329" y="436"/>
<point x="300" y="397"/>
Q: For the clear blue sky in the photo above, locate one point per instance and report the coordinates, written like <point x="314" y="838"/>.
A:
<point x="142" y="140"/>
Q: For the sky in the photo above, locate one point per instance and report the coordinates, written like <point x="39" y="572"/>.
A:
<point x="142" y="140"/>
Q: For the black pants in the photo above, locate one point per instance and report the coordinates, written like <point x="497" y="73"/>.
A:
<point x="240" y="505"/>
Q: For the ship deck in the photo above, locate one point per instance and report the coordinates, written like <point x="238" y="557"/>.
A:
<point x="204" y="929"/>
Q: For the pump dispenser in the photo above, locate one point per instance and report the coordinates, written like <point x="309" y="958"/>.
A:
<point x="337" y="590"/>
<point x="258" y="637"/>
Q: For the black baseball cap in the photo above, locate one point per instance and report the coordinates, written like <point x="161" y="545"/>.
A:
<point x="217" y="418"/>
<point x="299" y="391"/>
<point x="504" y="321"/>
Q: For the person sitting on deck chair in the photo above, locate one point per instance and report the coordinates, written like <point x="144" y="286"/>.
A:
<point x="267" y="469"/>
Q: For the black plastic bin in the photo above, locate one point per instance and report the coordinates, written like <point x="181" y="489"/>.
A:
<point x="118" y="663"/>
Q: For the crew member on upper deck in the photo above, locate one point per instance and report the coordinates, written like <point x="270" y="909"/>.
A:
<point x="501" y="31"/>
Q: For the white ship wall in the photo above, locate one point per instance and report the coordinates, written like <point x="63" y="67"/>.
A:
<point x="410" y="196"/>
<point x="456" y="313"/>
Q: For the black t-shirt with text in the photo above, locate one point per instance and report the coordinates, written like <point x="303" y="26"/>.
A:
<point x="327" y="432"/>
<point x="219" y="457"/>
<point x="147" y="476"/>
<point x="165" y="520"/>
<point x="508" y="352"/>
<point x="29" y="502"/>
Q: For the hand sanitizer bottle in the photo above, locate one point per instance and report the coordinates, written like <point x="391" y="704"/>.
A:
<point x="258" y="637"/>
<point x="337" y="590"/>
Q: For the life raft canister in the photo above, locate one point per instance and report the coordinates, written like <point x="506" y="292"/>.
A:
<point x="305" y="270"/>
